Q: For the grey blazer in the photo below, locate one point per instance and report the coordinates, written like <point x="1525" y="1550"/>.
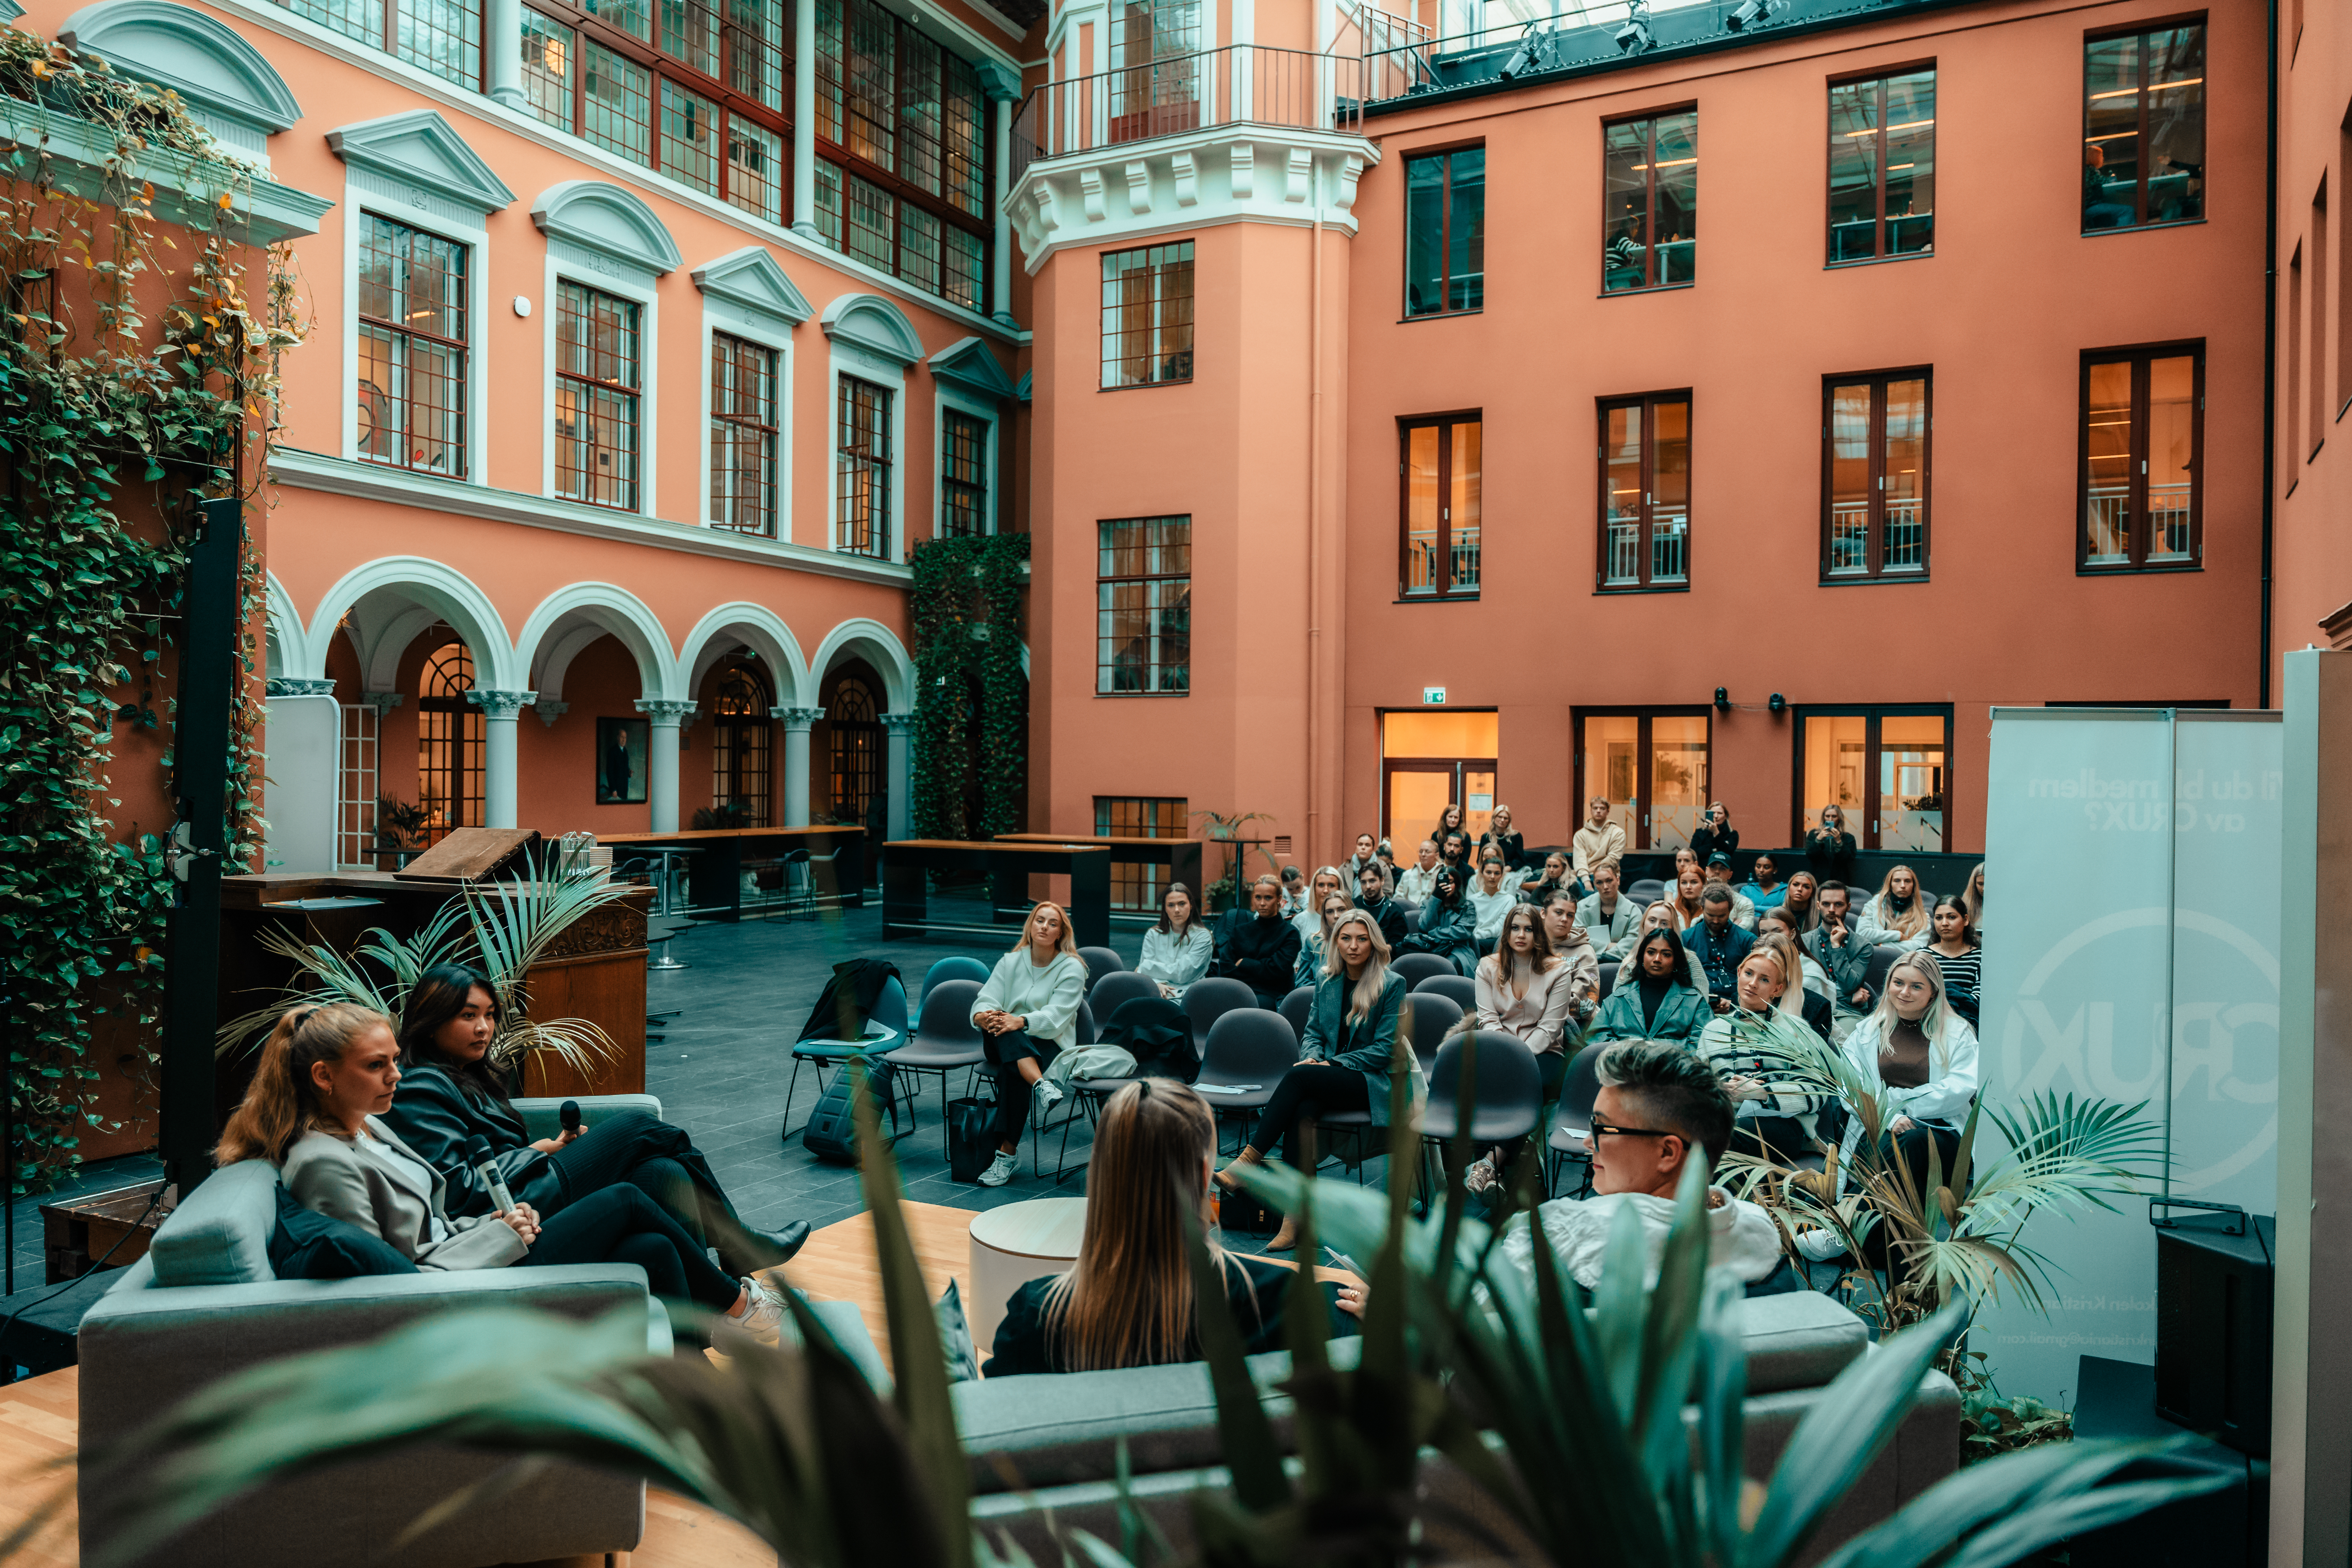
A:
<point x="396" y="1200"/>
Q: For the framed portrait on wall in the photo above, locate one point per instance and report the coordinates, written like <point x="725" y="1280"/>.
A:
<point x="622" y="749"/>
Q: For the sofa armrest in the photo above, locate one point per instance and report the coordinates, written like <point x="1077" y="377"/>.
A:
<point x="142" y="1350"/>
<point x="541" y="1118"/>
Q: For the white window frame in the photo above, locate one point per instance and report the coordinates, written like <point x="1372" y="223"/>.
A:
<point x="568" y="263"/>
<point x="770" y="333"/>
<point x="950" y="396"/>
<point x="370" y="193"/>
<point x="848" y="359"/>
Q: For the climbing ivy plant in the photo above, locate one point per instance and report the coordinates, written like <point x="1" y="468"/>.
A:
<point x="966" y="610"/>
<point x="138" y="362"/>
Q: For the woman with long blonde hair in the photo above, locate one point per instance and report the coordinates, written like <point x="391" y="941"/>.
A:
<point x="1128" y="1301"/>
<point x="326" y="1075"/>
<point x="1900" y="915"/>
<point x="1758" y="1046"/>
<point x="1027" y="1015"/>
<point x="1353" y="1035"/>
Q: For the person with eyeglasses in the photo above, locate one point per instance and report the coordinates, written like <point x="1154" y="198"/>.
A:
<point x="1661" y="1109"/>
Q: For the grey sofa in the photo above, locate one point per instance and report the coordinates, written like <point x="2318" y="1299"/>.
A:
<point x="203" y="1304"/>
<point x="1058" y="1435"/>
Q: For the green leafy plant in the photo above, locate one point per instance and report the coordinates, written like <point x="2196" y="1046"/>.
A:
<point x="1225" y="827"/>
<point x="1604" y="1428"/>
<point x="138" y="372"/>
<point x="964" y="613"/>
<point x="504" y="929"/>
<point x="398" y="823"/>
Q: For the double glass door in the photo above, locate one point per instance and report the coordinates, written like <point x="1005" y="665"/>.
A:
<point x="1652" y="766"/>
<point x="1419" y="791"/>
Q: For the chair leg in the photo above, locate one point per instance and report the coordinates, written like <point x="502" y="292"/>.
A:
<point x="791" y="1087"/>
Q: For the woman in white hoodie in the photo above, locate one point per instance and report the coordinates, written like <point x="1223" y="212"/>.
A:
<point x="1028" y="1015"/>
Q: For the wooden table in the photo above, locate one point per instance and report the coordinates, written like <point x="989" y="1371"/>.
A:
<point x="905" y="887"/>
<point x="714" y="878"/>
<point x="115" y="1225"/>
<point x="596" y="970"/>
<point x="1182" y="857"/>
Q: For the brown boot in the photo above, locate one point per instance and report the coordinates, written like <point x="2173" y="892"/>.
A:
<point x="1285" y="1239"/>
<point x="1248" y="1156"/>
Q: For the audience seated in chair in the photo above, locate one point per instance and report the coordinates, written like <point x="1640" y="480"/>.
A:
<point x="1256" y="946"/>
<point x="1028" y="1015"/>
<point x="1309" y="967"/>
<point x="1898" y="915"/>
<point x="1814" y="992"/>
<point x="1660" y="1108"/>
<point x="1344" y="1056"/>
<point x="1416" y="881"/>
<point x="1659" y="916"/>
<point x="1308" y="920"/>
<point x="451" y="1093"/>
<point x="1609" y="914"/>
<point x="1128" y="1301"/>
<point x="1597" y="842"/>
<point x="1372" y="898"/>
<point x="1659" y="1003"/>
<point x="1718" y="873"/>
<point x="1719" y="943"/>
<point x="1839" y="947"/>
<point x="326" y="1075"/>
<point x="1761" y="1050"/>
<point x="1449" y="925"/>
<point x="1179" y="947"/>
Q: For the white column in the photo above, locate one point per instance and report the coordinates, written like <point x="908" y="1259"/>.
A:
<point x="901" y="781"/>
<point x="1003" y="282"/>
<point x="796" y="722"/>
<point x="502" y="53"/>
<point x="804" y="120"/>
<point x="661" y="760"/>
<point x="499" y="765"/>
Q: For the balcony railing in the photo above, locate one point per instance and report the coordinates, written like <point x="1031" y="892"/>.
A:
<point x="1902" y="543"/>
<point x="1241" y="84"/>
<point x="1669" y="548"/>
<point x="2110" y="523"/>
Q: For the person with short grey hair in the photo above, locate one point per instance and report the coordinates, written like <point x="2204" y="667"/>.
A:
<point x="1661" y="1109"/>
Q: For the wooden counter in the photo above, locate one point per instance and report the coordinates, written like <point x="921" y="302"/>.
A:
<point x="906" y="865"/>
<point x="714" y="877"/>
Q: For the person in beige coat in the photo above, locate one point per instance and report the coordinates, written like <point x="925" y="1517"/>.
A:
<point x="326" y="1075"/>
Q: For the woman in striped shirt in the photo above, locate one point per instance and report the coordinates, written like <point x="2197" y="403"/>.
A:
<point x="1959" y="954"/>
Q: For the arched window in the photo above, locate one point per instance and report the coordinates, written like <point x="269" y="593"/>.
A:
<point x="739" y="750"/>
<point x="857" y="751"/>
<point x="450" y="732"/>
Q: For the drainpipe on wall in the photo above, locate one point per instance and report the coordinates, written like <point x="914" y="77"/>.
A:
<point x="2270" y="347"/>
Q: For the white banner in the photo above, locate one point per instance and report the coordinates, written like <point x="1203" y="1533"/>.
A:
<point x="2127" y="962"/>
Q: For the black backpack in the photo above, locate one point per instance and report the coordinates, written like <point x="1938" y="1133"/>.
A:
<point x="832" y="1130"/>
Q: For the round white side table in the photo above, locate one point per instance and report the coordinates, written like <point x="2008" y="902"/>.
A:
<point x="1012" y="1246"/>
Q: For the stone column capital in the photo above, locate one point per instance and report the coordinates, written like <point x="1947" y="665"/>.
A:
<point x="664" y="711"/>
<point x="295" y="686"/>
<point x="796" y="718"/>
<point x="550" y="711"/>
<point x="898" y="723"/>
<point x="500" y="704"/>
<point x="382" y="702"/>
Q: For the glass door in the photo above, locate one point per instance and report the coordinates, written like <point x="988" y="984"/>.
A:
<point x="1887" y="770"/>
<point x="1431" y="760"/>
<point x="1652" y="767"/>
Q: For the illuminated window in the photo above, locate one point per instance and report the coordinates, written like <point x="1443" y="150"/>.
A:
<point x="1874" y="493"/>
<point x="1144" y="605"/>
<point x="1645" y="451"/>
<point x="413" y="310"/>
<point x="862" y="460"/>
<point x="2143" y="439"/>
<point x="2144" y="127"/>
<point x="1883" y="167"/>
<point x="1147" y="315"/>
<point x="1649" y="222"/>
<point x="596" y="397"/>
<point x="739" y="747"/>
<point x="449" y="738"/>
<point x="742" y="436"/>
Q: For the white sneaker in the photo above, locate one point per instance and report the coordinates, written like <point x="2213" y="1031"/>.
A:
<point x="763" y="1320"/>
<point x="1000" y="1170"/>
<point x="1050" y="1092"/>
<point x="1821" y="1244"/>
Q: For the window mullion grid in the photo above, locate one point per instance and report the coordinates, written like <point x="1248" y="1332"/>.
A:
<point x="2136" y="476"/>
<point x="1444" y="508"/>
<point x="1884" y="239"/>
<point x="1643" y="772"/>
<point x="1652" y="275"/>
<point x="2140" y="159"/>
<point x="1873" y="556"/>
<point x="1870" y="781"/>
<point x="1444" y="235"/>
<point x="1649" y="481"/>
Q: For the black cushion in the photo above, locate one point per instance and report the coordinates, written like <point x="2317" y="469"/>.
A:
<point x="306" y="1244"/>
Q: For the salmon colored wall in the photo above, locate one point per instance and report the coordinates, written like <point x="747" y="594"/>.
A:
<point x="1229" y="450"/>
<point x="2000" y="313"/>
<point x="2313" y="564"/>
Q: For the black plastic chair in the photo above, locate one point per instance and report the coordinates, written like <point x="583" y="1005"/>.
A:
<point x="1206" y="1000"/>
<point x="945" y="1038"/>
<point x="1417" y="967"/>
<point x="1609" y="968"/>
<point x="1579" y="1087"/>
<point x="1881" y="959"/>
<point x="1646" y="891"/>
<point x="1247" y="1047"/>
<point x="1100" y="961"/>
<point x="1459" y="989"/>
<point x="1507" y="1099"/>
<point x="882" y="1031"/>
<point x="1431" y="1016"/>
<point x="1113" y="992"/>
<point x="1297" y="1007"/>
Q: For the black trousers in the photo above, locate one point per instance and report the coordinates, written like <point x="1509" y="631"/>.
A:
<point x="641" y="1149"/>
<point x="1779" y="1139"/>
<point x="1909" y="1148"/>
<point x="1307" y="1091"/>
<point x="621" y="1224"/>
<point x="1013" y="1092"/>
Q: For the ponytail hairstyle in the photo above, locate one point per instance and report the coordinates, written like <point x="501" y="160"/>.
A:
<point x="281" y="1104"/>
<point x="439" y="994"/>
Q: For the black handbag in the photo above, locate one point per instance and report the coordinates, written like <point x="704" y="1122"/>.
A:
<point x="971" y="1137"/>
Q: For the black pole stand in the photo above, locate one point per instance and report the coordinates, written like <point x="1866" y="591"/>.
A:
<point x="208" y="674"/>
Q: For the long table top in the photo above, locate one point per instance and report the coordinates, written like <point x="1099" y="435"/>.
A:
<point x="1001" y="846"/>
<point x="690" y="834"/>
<point x="1111" y="843"/>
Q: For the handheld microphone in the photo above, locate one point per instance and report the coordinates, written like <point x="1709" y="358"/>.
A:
<point x="494" y="1182"/>
<point x="568" y="1114"/>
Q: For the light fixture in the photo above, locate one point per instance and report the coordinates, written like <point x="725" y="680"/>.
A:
<point x="1750" y="14"/>
<point x="1529" y="55"/>
<point x="1723" y="700"/>
<point x="1634" y="37"/>
<point x="1778" y="704"/>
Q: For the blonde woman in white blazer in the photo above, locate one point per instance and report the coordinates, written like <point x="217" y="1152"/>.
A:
<point x="1919" y="1057"/>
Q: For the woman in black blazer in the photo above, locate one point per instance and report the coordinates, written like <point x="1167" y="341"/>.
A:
<point x="1716" y="836"/>
<point x="449" y="1094"/>
<point x="1500" y="837"/>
